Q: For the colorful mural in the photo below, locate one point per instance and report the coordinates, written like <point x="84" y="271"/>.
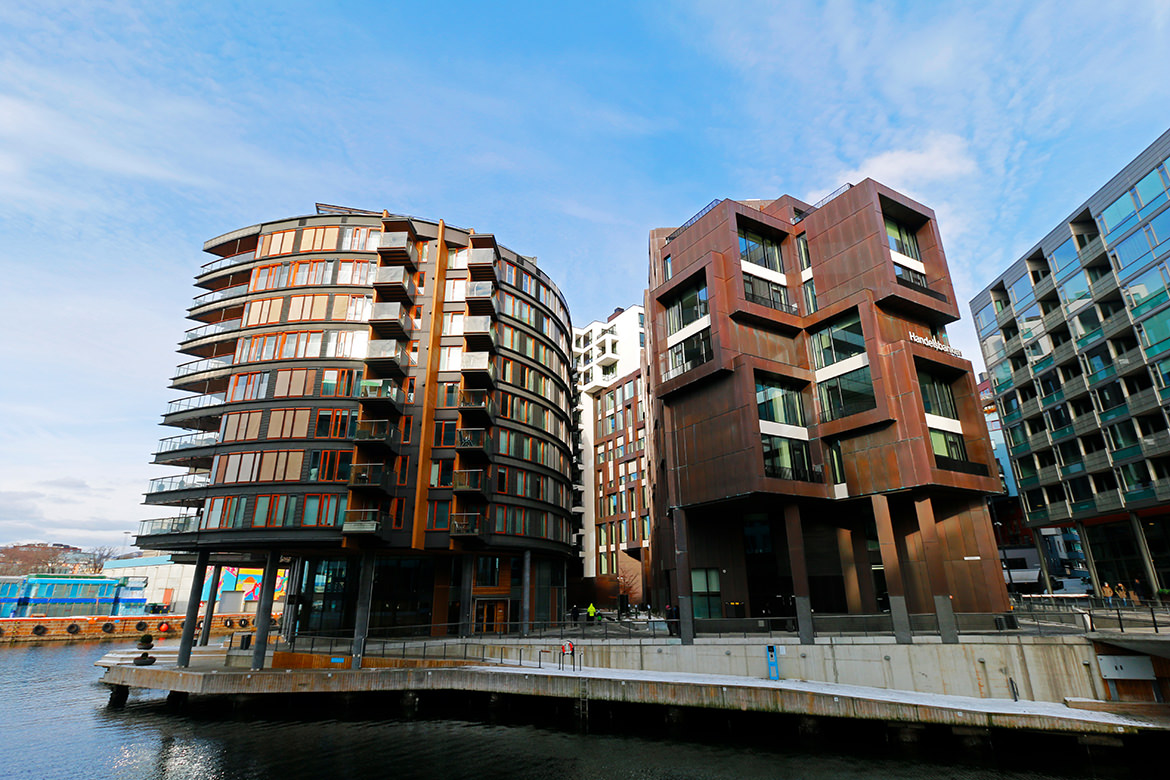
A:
<point x="247" y="580"/>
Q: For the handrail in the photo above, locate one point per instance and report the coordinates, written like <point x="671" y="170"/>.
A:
<point x="702" y="213"/>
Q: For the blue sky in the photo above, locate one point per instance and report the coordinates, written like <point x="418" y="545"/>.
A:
<point x="131" y="132"/>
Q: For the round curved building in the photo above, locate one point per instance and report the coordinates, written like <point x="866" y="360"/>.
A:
<point x="379" y="405"/>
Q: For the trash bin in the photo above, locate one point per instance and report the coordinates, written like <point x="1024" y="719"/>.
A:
<point x="246" y="641"/>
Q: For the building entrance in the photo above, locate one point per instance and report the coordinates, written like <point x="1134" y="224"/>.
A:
<point x="491" y="616"/>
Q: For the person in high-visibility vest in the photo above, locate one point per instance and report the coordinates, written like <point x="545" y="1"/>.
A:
<point x="592" y="611"/>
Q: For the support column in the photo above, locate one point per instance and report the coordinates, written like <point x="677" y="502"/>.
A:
<point x="1092" y="564"/>
<point x="526" y="594"/>
<point x="1038" y="539"/>
<point x="796" y="562"/>
<point x="292" y="597"/>
<point x="1139" y="535"/>
<point x="264" y="610"/>
<point x="936" y="573"/>
<point x="864" y="571"/>
<point x="893" y="569"/>
<point x="361" y="620"/>
<point x="849" y="570"/>
<point x="682" y="570"/>
<point x="466" y="607"/>
<point x="209" y="613"/>
<point x="188" y="637"/>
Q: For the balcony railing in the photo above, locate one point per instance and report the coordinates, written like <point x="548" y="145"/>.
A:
<point x="469" y="524"/>
<point x="169" y="525"/>
<point x="210" y="329"/>
<point x="469" y="480"/>
<point x="196" y="402"/>
<point x="961" y="466"/>
<point x="363" y="521"/>
<point x="187" y="441"/>
<point x="220" y="295"/>
<point x="765" y="300"/>
<point x="795" y="473"/>
<point x="178" y="482"/>
<point x="226" y="262"/>
<point x="922" y="288"/>
<point x="199" y="366"/>
<point x="474" y="439"/>
<point x="479" y="364"/>
<point x="376" y="475"/>
<point x="386" y="389"/>
<point x="381" y="431"/>
<point x="477" y="401"/>
<point x="856" y="406"/>
<point x="388" y="351"/>
<point x="705" y="356"/>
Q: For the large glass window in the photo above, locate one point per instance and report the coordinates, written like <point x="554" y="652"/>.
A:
<point x="948" y="444"/>
<point x="840" y="340"/>
<point x="902" y="239"/>
<point x="1147" y="291"/>
<point x="692" y="352"/>
<point x="1021" y="291"/>
<point x="1064" y="257"/>
<point x="689" y="306"/>
<point x="779" y="403"/>
<point x="846" y="394"/>
<point x="1155" y="332"/>
<point x="809" y="289"/>
<point x="1074" y="290"/>
<point x="787" y="459"/>
<point x="937" y="396"/>
<point x="1117" y="212"/>
<point x="767" y="293"/>
<point x="705" y="593"/>
<point x="759" y="250"/>
<point x="985" y="319"/>
<point x="802" y="252"/>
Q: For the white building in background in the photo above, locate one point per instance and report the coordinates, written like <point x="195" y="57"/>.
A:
<point x="611" y="423"/>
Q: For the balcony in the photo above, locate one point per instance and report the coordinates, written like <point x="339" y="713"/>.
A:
<point x="1114" y="412"/>
<point x="211" y="329"/>
<point x="1030" y="408"/>
<point x="1130" y="361"/>
<point x="480" y="298"/>
<point x="1049" y="475"/>
<point x="1091" y="337"/>
<point x="1045" y="286"/>
<point x="795" y="473"/>
<point x="473" y="482"/>
<point x="477" y="405"/>
<point x="219" y="295"/>
<point x="474" y="441"/>
<point x="1127" y="453"/>
<point x="1107" y="372"/>
<point x="180" y="490"/>
<point x="169" y="525"/>
<point x="918" y="287"/>
<point x="961" y="466"/>
<point x="395" y="283"/>
<point x="1109" y="501"/>
<point x="388" y="355"/>
<point x="1058" y="511"/>
<point x="398" y="249"/>
<point x="481" y="264"/>
<point x="201" y="367"/>
<point x="1054" y="397"/>
<point x="1064" y="353"/>
<point x="478" y="369"/>
<point x="1143" y="401"/>
<point x="391" y="321"/>
<point x="469" y="524"/>
<point x="1096" y="461"/>
<point x="1053" y="319"/>
<point x="607" y="359"/>
<point x="1022" y="375"/>
<point x="479" y="334"/>
<point x="1156" y="444"/>
<point x="1072" y="468"/>
<point x="1038" y="441"/>
<point x="1061" y="433"/>
<point x="1117" y="324"/>
<point x="178" y="447"/>
<point x="848" y="408"/>
<point x="381" y="394"/>
<point x="370" y="476"/>
<point x="196" y="411"/>
<point x="1141" y="492"/>
<point x="1005" y="315"/>
<point x="364" y="521"/>
<point x="381" y="432"/>
<point x="1013" y="345"/>
<point x="1104" y="285"/>
<point x="1075" y="387"/>
<point x="1091" y="251"/>
<point x="771" y="303"/>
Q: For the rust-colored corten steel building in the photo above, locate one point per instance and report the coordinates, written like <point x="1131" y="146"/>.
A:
<point x="818" y="445"/>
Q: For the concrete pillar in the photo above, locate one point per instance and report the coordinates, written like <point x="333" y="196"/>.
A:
<point x="682" y="569"/>
<point x="292" y="597"/>
<point x="854" y="552"/>
<point x="526" y="594"/>
<point x="264" y="610"/>
<point x="188" y="637"/>
<point x="209" y="613"/>
<point x="1038" y="540"/>
<point x="361" y="620"/>
<point x="1139" y="535"/>
<point x="936" y="572"/>
<point x="466" y="607"/>
<point x="864" y="571"/>
<point x="1092" y="564"/>
<point x="796" y="562"/>
<point x="887" y="543"/>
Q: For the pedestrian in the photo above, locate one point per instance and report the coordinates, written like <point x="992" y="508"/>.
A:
<point x="670" y="626"/>
<point x="575" y="614"/>
<point x="1122" y="594"/>
<point x="591" y="611"/>
<point x="1137" y="592"/>
<point x="1107" y="594"/>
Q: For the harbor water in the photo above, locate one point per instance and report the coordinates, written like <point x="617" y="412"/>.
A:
<point x="56" y="724"/>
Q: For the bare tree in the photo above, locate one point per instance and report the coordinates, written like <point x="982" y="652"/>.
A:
<point x="20" y="559"/>
<point x="99" y="555"/>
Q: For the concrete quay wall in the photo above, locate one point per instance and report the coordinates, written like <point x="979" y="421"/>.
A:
<point x="1042" y="668"/>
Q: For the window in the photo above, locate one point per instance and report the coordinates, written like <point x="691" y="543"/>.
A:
<point x="269" y="277"/>
<point x="316" y="272"/>
<point x="288" y="424"/>
<point x="340" y="382"/>
<point x="448" y="396"/>
<point x="263" y="312"/>
<point x="846" y="394"/>
<point x="347" y="343"/>
<point x="267" y="466"/>
<point x="403" y="469"/>
<point x="836" y="463"/>
<point x="705" y="593"/>
<point x="360" y="239"/>
<point x="356" y="272"/>
<point x="295" y="382"/>
<point x="457" y="257"/>
<point x="324" y="510"/>
<point x="948" y="444"/>
<point x="336" y="424"/>
<point x="767" y="293"/>
<point x="442" y="472"/>
<point x="452" y="323"/>
<point x="838" y="341"/>
<point x="802" y="252"/>
<point x="937" y="397"/>
<point x="487" y="571"/>
<point x="352" y="308"/>
<point x="225" y="512"/>
<point x="787" y="459"/>
<point x="242" y="426"/>
<point x="689" y="306"/>
<point x="809" y="290"/>
<point x="902" y="239"/>
<point x="308" y="307"/>
<point x="760" y="250"/>
<point x="779" y="403"/>
<point x="688" y="354"/>
<point x="438" y="515"/>
<point x="319" y="239"/>
<point x="329" y="465"/>
<point x="248" y="387"/>
<point x="275" y="511"/>
<point x="407" y="426"/>
<point x="276" y="244"/>
<point x="450" y="358"/>
<point x="445" y="433"/>
<point x="667" y="269"/>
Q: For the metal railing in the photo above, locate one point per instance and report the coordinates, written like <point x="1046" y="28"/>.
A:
<point x="178" y="482"/>
<point x="701" y="213"/>
<point x="196" y="402"/>
<point x="765" y="300"/>
<point x="837" y="411"/>
<point x="198" y="366"/>
<point x="169" y="525"/>
<point x="224" y="262"/>
<point x="795" y="473"/>
<point x="843" y="188"/>
<point x="210" y="330"/>
<point x="220" y="295"/>
<point x="187" y="441"/>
